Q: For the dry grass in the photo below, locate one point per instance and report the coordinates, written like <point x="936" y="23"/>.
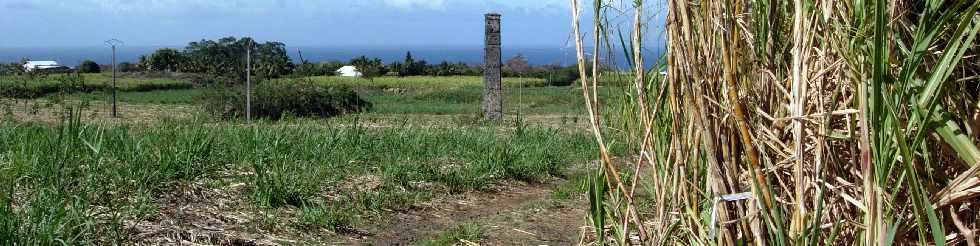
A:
<point x="797" y="122"/>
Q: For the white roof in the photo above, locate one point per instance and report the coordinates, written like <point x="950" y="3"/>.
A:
<point x="41" y="63"/>
<point x="31" y="65"/>
<point x="349" y="71"/>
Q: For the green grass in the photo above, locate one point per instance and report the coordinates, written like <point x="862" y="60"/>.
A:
<point x="129" y="82"/>
<point x="422" y="82"/>
<point x="40" y="86"/>
<point x="469" y="99"/>
<point x="454" y="235"/>
<point x="144" y="97"/>
<point x="390" y="95"/>
<point x="74" y="183"/>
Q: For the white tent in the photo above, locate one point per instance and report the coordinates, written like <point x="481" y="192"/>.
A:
<point x="348" y="71"/>
<point x="41" y="65"/>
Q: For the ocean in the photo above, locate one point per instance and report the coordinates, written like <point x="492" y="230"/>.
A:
<point x="72" y="56"/>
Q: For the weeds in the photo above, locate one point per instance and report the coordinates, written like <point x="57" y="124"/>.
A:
<point x="456" y="235"/>
<point x="76" y="182"/>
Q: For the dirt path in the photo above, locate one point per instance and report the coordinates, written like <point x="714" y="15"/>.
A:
<point x="510" y="214"/>
<point x="514" y="214"/>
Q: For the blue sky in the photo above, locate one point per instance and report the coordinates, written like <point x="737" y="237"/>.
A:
<point x="327" y="23"/>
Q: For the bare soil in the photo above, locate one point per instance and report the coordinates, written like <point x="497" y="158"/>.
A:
<point x="510" y="214"/>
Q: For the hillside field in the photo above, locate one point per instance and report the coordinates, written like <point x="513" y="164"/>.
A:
<point x="164" y="172"/>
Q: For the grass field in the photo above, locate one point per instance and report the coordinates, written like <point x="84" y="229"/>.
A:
<point x="47" y="85"/>
<point x="89" y="181"/>
<point x="335" y="174"/>
<point x="391" y="95"/>
<point x="423" y="82"/>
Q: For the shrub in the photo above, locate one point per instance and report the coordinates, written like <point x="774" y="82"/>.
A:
<point x="89" y="66"/>
<point x="562" y="76"/>
<point x="273" y="100"/>
<point x="39" y="87"/>
<point x="127" y="67"/>
<point x="7" y="69"/>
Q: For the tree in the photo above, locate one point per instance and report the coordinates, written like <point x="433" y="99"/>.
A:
<point x="516" y="66"/>
<point x="369" y="68"/>
<point x="397" y="67"/>
<point x="408" y="58"/>
<point x="89" y="66"/>
<point x="270" y="60"/>
<point x="165" y="59"/>
<point x="225" y="57"/>
<point x="412" y="67"/>
<point x="331" y="67"/>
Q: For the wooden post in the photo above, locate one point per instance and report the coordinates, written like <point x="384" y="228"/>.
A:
<point x="492" y="98"/>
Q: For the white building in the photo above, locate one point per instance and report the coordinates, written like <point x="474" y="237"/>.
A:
<point x="41" y="65"/>
<point x="349" y="71"/>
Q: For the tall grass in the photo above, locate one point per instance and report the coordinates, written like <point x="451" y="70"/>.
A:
<point x="77" y="183"/>
<point x="783" y="123"/>
<point x="39" y="86"/>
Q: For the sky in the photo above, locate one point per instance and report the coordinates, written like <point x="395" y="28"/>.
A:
<point x="319" y="23"/>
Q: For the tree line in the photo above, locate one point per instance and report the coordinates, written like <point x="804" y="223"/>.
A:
<point x="224" y="60"/>
<point x="374" y="67"/>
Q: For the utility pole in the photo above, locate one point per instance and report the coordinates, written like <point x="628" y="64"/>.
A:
<point x="248" y="82"/>
<point x="113" y="43"/>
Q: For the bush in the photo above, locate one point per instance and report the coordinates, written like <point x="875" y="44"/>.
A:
<point x="28" y="88"/>
<point x="273" y="100"/>
<point x="127" y="67"/>
<point x="8" y="69"/>
<point x="562" y="76"/>
<point x="89" y="66"/>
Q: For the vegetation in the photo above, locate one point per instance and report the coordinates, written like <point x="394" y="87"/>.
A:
<point x="89" y="66"/>
<point x="790" y="123"/>
<point x="122" y="67"/>
<point x="369" y="68"/>
<point x="36" y="86"/>
<point x="308" y="69"/>
<point x="327" y="153"/>
<point x="516" y="66"/>
<point x="410" y="67"/>
<point x="225" y="58"/>
<point x="276" y="99"/>
<point x="456" y="235"/>
<point x="76" y="183"/>
<point x="163" y="60"/>
<point x="11" y="69"/>
<point x="420" y="82"/>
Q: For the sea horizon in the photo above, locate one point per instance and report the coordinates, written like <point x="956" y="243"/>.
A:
<point x="470" y="54"/>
